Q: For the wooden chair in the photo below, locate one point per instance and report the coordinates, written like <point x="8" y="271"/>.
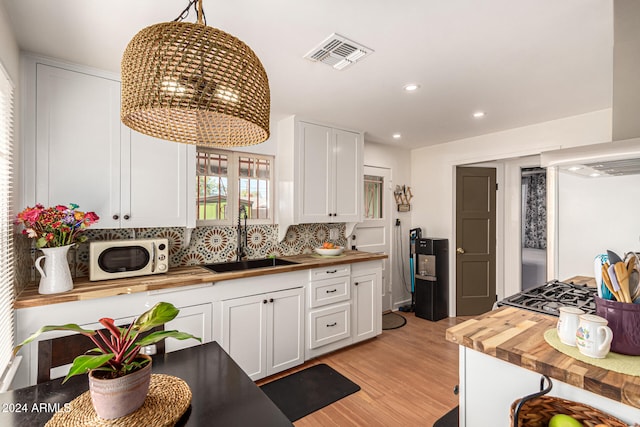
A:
<point x="62" y="350"/>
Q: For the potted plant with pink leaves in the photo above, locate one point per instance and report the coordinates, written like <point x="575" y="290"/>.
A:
<point x="119" y="375"/>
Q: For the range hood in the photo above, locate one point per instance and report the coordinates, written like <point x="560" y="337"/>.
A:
<point x="607" y="159"/>
<point x="622" y="156"/>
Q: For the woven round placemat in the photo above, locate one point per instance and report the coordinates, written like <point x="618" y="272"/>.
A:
<point x="614" y="361"/>
<point x="168" y="398"/>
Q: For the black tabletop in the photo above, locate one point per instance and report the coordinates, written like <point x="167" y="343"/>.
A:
<point x="222" y="393"/>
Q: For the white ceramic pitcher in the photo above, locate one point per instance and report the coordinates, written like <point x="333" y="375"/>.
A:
<point x="56" y="276"/>
<point x="568" y="323"/>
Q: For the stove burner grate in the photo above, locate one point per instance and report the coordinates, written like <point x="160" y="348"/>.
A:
<point x="548" y="298"/>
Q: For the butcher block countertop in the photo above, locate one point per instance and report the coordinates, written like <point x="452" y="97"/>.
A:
<point x="83" y="289"/>
<point x="516" y="336"/>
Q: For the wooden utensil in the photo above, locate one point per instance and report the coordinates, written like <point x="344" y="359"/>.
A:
<point x="622" y="277"/>
<point x="633" y="269"/>
<point x="607" y="282"/>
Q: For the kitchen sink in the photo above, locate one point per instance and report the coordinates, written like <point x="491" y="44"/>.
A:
<point x="222" y="267"/>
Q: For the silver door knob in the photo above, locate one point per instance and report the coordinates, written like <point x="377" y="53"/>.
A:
<point x="460" y="251"/>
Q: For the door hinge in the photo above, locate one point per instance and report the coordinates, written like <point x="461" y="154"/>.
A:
<point x="496" y="186"/>
<point x="496" y="297"/>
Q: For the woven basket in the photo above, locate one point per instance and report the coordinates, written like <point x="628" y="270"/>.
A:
<point x="538" y="411"/>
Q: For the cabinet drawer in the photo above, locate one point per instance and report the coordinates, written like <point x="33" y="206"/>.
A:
<point x="329" y="325"/>
<point x="329" y="291"/>
<point x="330" y="271"/>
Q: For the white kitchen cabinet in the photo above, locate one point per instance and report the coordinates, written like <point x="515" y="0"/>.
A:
<point x="319" y="173"/>
<point x="488" y="387"/>
<point x="195" y="317"/>
<point x="330" y="174"/>
<point x="77" y="151"/>
<point x="264" y="333"/>
<point x="194" y="320"/>
<point x="367" y="310"/>
<point x="328" y="310"/>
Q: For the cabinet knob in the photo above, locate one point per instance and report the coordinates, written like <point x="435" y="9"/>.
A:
<point x="126" y="217"/>
<point x="270" y="299"/>
<point x="115" y="217"/>
<point x="264" y="301"/>
<point x="460" y="251"/>
<point x="356" y="283"/>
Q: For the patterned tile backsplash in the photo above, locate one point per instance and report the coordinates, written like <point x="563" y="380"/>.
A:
<point x="208" y="244"/>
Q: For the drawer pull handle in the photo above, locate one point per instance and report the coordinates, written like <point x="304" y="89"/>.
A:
<point x="332" y="291"/>
<point x="331" y="271"/>
<point x="332" y="325"/>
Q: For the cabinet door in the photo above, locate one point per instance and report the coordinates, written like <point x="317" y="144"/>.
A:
<point x="243" y="333"/>
<point x="78" y="141"/>
<point x="159" y="180"/>
<point x="348" y="174"/>
<point x="366" y="311"/>
<point x="285" y="330"/>
<point x="315" y="186"/>
<point x="195" y="320"/>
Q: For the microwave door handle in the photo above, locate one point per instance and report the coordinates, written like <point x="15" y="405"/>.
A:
<point x="153" y="257"/>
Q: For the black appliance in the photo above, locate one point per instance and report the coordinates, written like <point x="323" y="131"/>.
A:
<point x="548" y="298"/>
<point x="432" y="278"/>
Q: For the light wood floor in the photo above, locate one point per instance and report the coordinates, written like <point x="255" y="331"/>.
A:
<point x="406" y="375"/>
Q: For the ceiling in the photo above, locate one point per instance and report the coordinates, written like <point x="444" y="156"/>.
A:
<point x="522" y="62"/>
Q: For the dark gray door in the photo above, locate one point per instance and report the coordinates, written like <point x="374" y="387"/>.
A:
<point x="475" y="240"/>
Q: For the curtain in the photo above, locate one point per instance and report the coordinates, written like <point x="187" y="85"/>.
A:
<point x="535" y="226"/>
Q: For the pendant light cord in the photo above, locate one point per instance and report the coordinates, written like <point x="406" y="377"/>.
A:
<point x="202" y="19"/>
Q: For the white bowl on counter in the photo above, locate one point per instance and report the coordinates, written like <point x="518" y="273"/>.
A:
<point x="329" y="252"/>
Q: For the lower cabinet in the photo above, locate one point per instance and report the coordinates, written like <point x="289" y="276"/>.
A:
<point x="195" y="317"/>
<point x="264" y="333"/>
<point x="366" y="315"/>
<point x="194" y="320"/>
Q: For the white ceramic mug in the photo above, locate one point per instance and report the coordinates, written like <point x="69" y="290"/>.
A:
<point x="593" y="336"/>
<point x="568" y="324"/>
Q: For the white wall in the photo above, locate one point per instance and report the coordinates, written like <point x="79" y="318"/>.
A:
<point x="595" y="214"/>
<point x="399" y="161"/>
<point x="432" y="170"/>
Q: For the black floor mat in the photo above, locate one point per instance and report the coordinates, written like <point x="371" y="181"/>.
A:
<point x="306" y="391"/>
<point x="450" y="419"/>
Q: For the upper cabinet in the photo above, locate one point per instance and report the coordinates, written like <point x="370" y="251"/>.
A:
<point x="320" y="172"/>
<point x="77" y="151"/>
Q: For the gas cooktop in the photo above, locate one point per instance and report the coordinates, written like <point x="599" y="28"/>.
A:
<point x="548" y="298"/>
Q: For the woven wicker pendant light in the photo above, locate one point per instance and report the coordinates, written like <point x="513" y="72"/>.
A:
<point x="195" y="84"/>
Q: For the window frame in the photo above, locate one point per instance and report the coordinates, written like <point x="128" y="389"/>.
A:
<point x="233" y="187"/>
<point x="8" y="365"/>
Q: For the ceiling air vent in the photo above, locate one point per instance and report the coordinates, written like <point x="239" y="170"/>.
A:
<point x="338" y="52"/>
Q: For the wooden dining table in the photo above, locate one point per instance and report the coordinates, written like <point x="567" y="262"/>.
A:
<point x="222" y="394"/>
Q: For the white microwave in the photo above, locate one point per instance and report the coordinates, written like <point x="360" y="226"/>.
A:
<point x="115" y="259"/>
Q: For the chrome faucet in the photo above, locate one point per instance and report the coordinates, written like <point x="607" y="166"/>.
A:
<point x="242" y="242"/>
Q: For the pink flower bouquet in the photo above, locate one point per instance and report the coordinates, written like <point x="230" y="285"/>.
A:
<point x="55" y="226"/>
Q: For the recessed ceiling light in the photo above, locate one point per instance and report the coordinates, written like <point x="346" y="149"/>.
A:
<point x="575" y="168"/>
<point x="411" y="87"/>
<point x="478" y="114"/>
<point x="397" y="136"/>
<point x="595" y="174"/>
